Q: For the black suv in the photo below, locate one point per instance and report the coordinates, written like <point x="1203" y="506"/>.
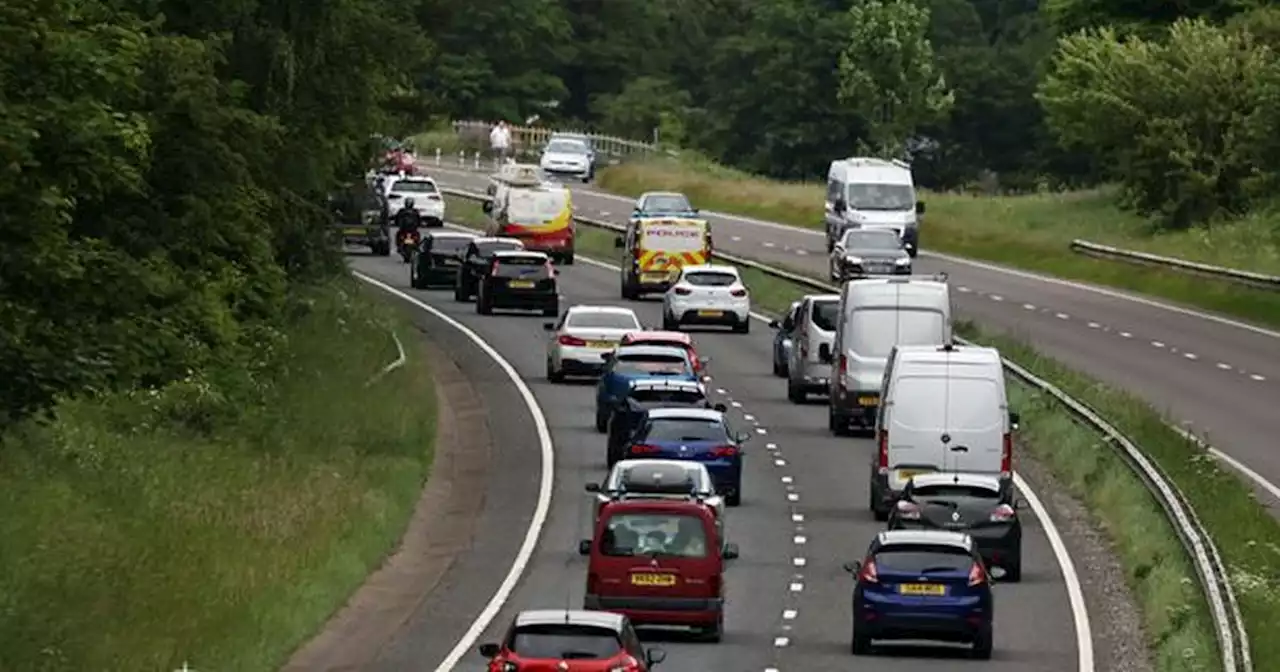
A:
<point x="521" y="280"/>
<point x="475" y="263"/>
<point x="438" y="257"/>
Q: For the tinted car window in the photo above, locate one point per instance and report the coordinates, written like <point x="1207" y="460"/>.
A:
<point x="566" y="147"/>
<point x="587" y="320"/>
<point x="651" y="364"/>
<point x="881" y="197"/>
<point x="922" y="559"/>
<point x="954" y="491"/>
<point x="565" y="641"/>
<point x="683" y="429"/>
<point x="522" y="267"/>
<point x="872" y="240"/>
<point x="675" y="535"/>
<point x="825" y="314"/>
<point x="449" y="245"/>
<point x="487" y="249"/>
<point x="876" y="331"/>
<point x="413" y="187"/>
<point x="667" y="396"/>
<point x="667" y="204"/>
<point x="710" y="279"/>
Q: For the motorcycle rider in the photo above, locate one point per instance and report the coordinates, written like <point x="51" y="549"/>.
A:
<point x="408" y="219"/>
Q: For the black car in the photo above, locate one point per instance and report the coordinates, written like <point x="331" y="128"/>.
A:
<point x="646" y="395"/>
<point x="519" y="280"/>
<point x="438" y="258"/>
<point x="475" y="263"/>
<point x="360" y="219"/>
<point x="979" y="505"/>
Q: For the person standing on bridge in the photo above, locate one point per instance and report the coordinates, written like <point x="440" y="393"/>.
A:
<point x="500" y="141"/>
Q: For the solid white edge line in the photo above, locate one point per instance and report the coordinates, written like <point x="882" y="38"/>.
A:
<point x="1075" y="593"/>
<point x="547" y="447"/>
<point x="1232" y="462"/>
<point x="1026" y="275"/>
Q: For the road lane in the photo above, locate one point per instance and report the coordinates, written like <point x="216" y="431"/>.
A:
<point x="1215" y="377"/>
<point x="788" y="599"/>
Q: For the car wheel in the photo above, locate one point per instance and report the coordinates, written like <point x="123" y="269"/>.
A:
<point x="715" y="632"/>
<point x="743" y="327"/>
<point x="982" y="644"/>
<point x="795" y="393"/>
<point x="602" y="421"/>
<point x="553" y="375"/>
<point x="1012" y="570"/>
<point x="669" y="324"/>
<point x="460" y="291"/>
<point x="414" y="282"/>
<point x="777" y="366"/>
<point x="838" y="424"/>
<point x="483" y="307"/>
<point x="567" y="259"/>
<point x="859" y="644"/>
<point x="551" y="310"/>
<point x="734" y="498"/>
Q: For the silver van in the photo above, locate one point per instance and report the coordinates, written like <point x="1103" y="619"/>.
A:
<point x="815" y="328"/>
<point x="875" y="315"/>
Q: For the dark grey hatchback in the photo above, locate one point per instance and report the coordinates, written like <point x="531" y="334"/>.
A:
<point x="979" y="505"/>
<point x="863" y="253"/>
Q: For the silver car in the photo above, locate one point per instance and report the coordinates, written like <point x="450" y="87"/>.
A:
<point x="815" y="326"/>
<point x="863" y="253"/>
<point x="659" y="479"/>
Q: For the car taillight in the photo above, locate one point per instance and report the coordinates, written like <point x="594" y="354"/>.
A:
<point x="566" y="339"/>
<point x="549" y="268"/>
<point x="510" y="666"/>
<point x="493" y="267"/>
<point x="868" y="573"/>
<point x="843" y="368"/>
<point x="884" y="451"/>
<point x="643" y="449"/>
<point x="724" y="451"/>
<point x="1006" y="454"/>
<point x="977" y="575"/>
<point x="1003" y="514"/>
<point x="628" y="664"/>
<point x="908" y="511"/>
<point x="739" y="292"/>
<point x="682" y="291"/>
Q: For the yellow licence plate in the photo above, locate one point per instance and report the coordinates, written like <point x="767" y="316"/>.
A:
<point x="600" y="345"/>
<point x="520" y="284"/>
<point x="922" y="589"/>
<point x="908" y="474"/>
<point x="660" y="580"/>
<point x="710" y="313"/>
<point x="654" y="277"/>
<point x="867" y="401"/>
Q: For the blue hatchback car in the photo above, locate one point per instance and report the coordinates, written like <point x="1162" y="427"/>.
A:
<point x="922" y="584"/>
<point x="695" y="434"/>
<point x="636" y="362"/>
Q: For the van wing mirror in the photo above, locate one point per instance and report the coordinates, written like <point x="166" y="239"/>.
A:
<point x="839" y="205"/>
<point x="653" y="656"/>
<point x="824" y="353"/>
<point x="919" y="207"/>
<point x="592" y="487"/>
<point x="730" y="552"/>
<point x="490" y="650"/>
<point x="584" y="547"/>
<point x="774" y="324"/>
<point x="618" y="243"/>
<point x="853" y="567"/>
<point x="721" y="407"/>
<point x="1015" y="419"/>
<point x="487" y="206"/>
<point x="548" y="326"/>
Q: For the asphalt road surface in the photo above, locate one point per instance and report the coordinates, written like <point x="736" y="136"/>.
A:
<point x="1218" y="378"/>
<point x="803" y="515"/>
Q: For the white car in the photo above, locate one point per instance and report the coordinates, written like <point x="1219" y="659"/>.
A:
<point x="659" y="479"/>
<point x="568" y="157"/>
<point x="583" y="336"/>
<point x="707" y="294"/>
<point x="427" y="199"/>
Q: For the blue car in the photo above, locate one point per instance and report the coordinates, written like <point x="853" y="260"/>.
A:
<point x="663" y="204"/>
<point x="637" y="362"/>
<point x="695" y="434"/>
<point x="922" y="585"/>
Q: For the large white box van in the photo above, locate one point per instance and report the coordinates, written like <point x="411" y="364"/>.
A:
<point x="943" y="408"/>
<point x="875" y="315"/>
<point x="871" y="193"/>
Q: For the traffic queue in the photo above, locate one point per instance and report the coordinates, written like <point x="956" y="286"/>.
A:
<point x="881" y="351"/>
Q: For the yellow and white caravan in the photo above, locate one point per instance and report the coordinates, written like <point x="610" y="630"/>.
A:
<point x="522" y="205"/>
<point x="656" y="248"/>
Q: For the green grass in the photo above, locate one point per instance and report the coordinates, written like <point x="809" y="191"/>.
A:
<point x="144" y="530"/>
<point x="1158" y="571"/>
<point x="1029" y="232"/>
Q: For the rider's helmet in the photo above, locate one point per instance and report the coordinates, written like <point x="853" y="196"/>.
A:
<point x="408" y="204"/>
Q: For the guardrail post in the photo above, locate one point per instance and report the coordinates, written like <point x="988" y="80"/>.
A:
<point x="437" y="156"/>
<point x="462" y="159"/>
<point x="476" y="162"/>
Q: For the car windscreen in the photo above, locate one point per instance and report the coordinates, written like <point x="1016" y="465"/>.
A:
<point x="658" y="534"/>
<point x="875" y="331"/>
<point x="566" y="147"/>
<point x="487" y="249"/>
<point x="871" y="196"/>
<point x="522" y="267"/>
<point x="590" y="320"/>
<point x="683" y="429"/>
<point x="535" y="205"/>
<point x="683" y="397"/>
<point x="872" y="240"/>
<point x="667" y="203"/>
<point x="710" y="278"/>
<point x="825" y="314"/>
<point x="449" y="245"/>
<point x="414" y="187"/>
<point x="922" y="559"/>
<point x="565" y="641"/>
<point x="651" y="364"/>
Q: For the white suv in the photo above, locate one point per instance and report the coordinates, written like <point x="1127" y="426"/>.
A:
<point x="426" y="196"/>
<point x="707" y="294"/>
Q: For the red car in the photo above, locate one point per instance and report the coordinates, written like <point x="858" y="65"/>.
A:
<point x="561" y="640"/>
<point x="399" y="161"/>
<point x="675" y="338"/>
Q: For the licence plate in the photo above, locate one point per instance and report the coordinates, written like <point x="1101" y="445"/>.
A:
<point x="710" y="313"/>
<point x="654" y="277"/>
<point x="520" y="284"/>
<point x="907" y="474"/>
<point x="659" y="580"/>
<point x="867" y="401"/>
<point x="353" y="232"/>
<point x="922" y="589"/>
<point x="599" y="345"/>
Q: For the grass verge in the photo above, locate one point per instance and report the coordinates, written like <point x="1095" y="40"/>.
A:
<point x="1176" y="619"/>
<point x="1030" y="232"/>
<point x="186" y="524"/>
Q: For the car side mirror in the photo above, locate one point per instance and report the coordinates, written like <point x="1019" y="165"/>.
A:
<point x="592" y="487"/>
<point x="774" y="324"/>
<point x="618" y="243"/>
<point x="584" y="547"/>
<point x="607" y="356"/>
<point x="919" y="207"/>
<point x="487" y="206"/>
<point x="853" y="567"/>
<point x="839" y="205"/>
<point x="704" y="361"/>
<point x="730" y="552"/>
<point x="1015" y="419"/>
<point x="548" y="326"/>
<point x="721" y="407"/>
<point x="490" y="650"/>
<point x="824" y="353"/>
<point x="742" y="437"/>
<point x="654" y="656"/>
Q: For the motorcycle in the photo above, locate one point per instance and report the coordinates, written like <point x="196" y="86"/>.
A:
<point x="406" y="243"/>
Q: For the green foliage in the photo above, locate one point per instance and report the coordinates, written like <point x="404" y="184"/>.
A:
<point x="1138" y="16"/>
<point x="1188" y="123"/>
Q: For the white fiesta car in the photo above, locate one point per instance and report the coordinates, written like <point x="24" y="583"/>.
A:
<point x="710" y="295"/>
<point x="583" y="335"/>
<point x="659" y="479"/>
<point x="427" y="199"/>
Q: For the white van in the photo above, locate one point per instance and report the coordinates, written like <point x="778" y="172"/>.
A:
<point x="875" y="315"/>
<point x="869" y="193"/>
<point x="943" y="408"/>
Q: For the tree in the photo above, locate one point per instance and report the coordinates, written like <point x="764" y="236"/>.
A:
<point x="1138" y="16"/>
<point x="888" y="74"/>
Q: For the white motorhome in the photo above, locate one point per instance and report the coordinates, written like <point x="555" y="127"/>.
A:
<point x="875" y="315"/>
<point x="943" y="409"/>
<point x="869" y="193"/>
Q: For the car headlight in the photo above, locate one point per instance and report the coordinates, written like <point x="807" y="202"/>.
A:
<point x="904" y="261"/>
<point x="853" y="261"/>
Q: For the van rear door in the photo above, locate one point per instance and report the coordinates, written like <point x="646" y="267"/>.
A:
<point x="915" y="426"/>
<point x="975" y="420"/>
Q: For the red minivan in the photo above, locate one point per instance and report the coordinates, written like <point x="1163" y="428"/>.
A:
<point x="659" y="562"/>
